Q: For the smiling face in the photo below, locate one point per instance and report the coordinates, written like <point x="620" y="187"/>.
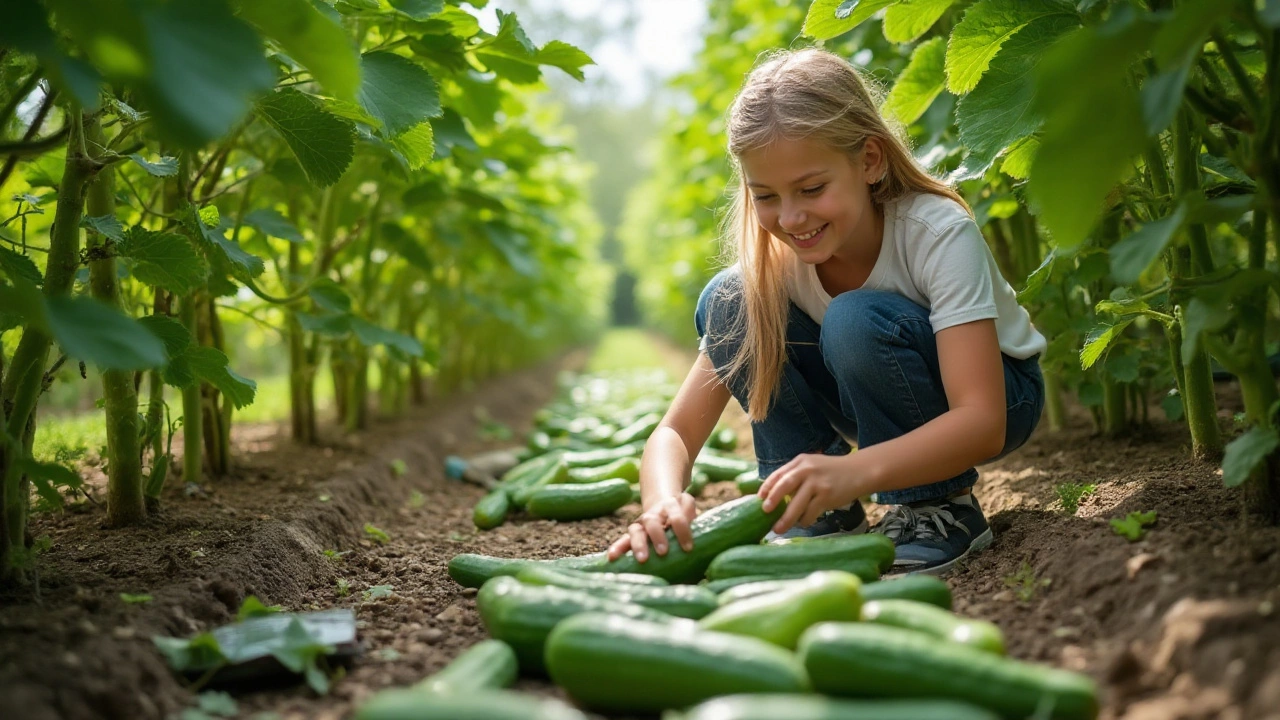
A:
<point x="817" y="199"/>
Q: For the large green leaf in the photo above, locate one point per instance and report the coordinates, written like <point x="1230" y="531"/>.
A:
<point x="910" y="19"/>
<point x="1269" y="12"/>
<point x="417" y="145"/>
<point x="210" y="365"/>
<point x="173" y="334"/>
<point x="919" y="83"/>
<point x="1162" y="96"/>
<point x="828" y="18"/>
<point x="16" y="265"/>
<point x="450" y="131"/>
<point x="1246" y="453"/>
<point x="397" y="91"/>
<point x="205" y="67"/>
<point x="26" y="28"/>
<point x="333" y="325"/>
<point x="330" y="296"/>
<point x="406" y="246"/>
<point x="323" y="142"/>
<point x="271" y="223"/>
<point x="1133" y="255"/>
<point x="369" y="335"/>
<point x="1018" y="160"/>
<point x="105" y="225"/>
<point x="317" y="42"/>
<point x="564" y="56"/>
<point x="164" y="167"/>
<point x="998" y="112"/>
<point x="48" y="477"/>
<point x="96" y="333"/>
<point x="164" y="260"/>
<point x="418" y="9"/>
<point x="1099" y="340"/>
<point x="985" y="29"/>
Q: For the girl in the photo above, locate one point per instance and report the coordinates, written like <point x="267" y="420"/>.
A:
<point x="864" y="305"/>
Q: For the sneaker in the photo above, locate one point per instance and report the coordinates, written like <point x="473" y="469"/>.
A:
<point x="933" y="535"/>
<point x="844" y="521"/>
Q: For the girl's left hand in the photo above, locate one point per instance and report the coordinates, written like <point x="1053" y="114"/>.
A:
<point x="816" y="483"/>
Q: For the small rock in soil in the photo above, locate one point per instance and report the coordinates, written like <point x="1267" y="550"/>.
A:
<point x="450" y="614"/>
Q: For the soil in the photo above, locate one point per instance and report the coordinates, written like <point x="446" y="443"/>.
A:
<point x="1180" y="625"/>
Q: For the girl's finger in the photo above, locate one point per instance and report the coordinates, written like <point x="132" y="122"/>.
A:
<point x="657" y="530"/>
<point x="774" y="477"/>
<point x="639" y="541"/>
<point x="680" y="526"/>
<point x="811" y="513"/>
<point x="619" y="547"/>
<point x="785" y="485"/>
<point x="799" y="501"/>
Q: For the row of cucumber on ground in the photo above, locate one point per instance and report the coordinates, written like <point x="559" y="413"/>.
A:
<point x="733" y="629"/>
<point x="583" y="458"/>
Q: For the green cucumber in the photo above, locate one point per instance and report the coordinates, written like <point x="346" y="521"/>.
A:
<point x="538" y="442"/>
<point x="723" y="439"/>
<point x="721" y="467"/>
<point x="617" y="664"/>
<point x="921" y="588"/>
<point x="522" y="615"/>
<point x="492" y="510"/>
<point x="579" y="502"/>
<point x="686" y="601"/>
<point x="937" y="622"/>
<point x="781" y="617"/>
<point x="489" y="664"/>
<point x="742" y="591"/>
<point x="596" y="458"/>
<point x="627" y="468"/>
<point x="557" y="473"/>
<point x="749" y="482"/>
<point x="726" y="584"/>
<point x="737" y="522"/>
<point x="827" y="553"/>
<point x="866" y="660"/>
<point x="697" y="483"/>
<point x="641" y="429"/>
<point x="409" y="704"/>
<point x="867" y="570"/>
<point x="817" y="707"/>
<point x="472" y="570"/>
<point x="569" y="576"/>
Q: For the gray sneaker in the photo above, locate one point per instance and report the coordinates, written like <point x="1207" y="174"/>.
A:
<point x="933" y="535"/>
<point x="844" y="521"/>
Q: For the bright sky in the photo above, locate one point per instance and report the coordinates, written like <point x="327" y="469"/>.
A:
<point x="663" y="43"/>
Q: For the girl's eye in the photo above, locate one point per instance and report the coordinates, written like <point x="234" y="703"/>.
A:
<point x="762" y="198"/>
<point x="813" y="190"/>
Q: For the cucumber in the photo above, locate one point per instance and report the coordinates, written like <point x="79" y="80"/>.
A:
<point x="937" y="622"/>
<point x="492" y="510"/>
<point x="749" y="482"/>
<point x="921" y="588"/>
<point x="471" y="570"/>
<point x="532" y="466"/>
<point x="618" y="664"/>
<point x="686" y="601"/>
<point x="742" y="591"/>
<point x="737" y="522"/>
<point x="599" y="577"/>
<point x="538" y="441"/>
<point x="596" y="458"/>
<point x="817" y="707"/>
<point x="579" y="502"/>
<point x="781" y="617"/>
<point x="828" y="553"/>
<point x="697" y="483"/>
<point x="557" y="473"/>
<point x="641" y="429"/>
<point x="409" y="704"/>
<point x="723" y="439"/>
<point x="866" y="570"/>
<point x="721" y="467"/>
<point x="487" y="664"/>
<point x="522" y="615"/>
<point x="636" y="497"/>
<point x="627" y="468"/>
<point x="865" y="660"/>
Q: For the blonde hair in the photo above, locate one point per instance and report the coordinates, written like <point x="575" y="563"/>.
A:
<point x="803" y="94"/>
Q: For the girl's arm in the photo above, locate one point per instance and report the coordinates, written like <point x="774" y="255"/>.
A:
<point x="970" y="432"/>
<point x="667" y="462"/>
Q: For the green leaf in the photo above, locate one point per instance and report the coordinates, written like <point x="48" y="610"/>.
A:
<point x="1019" y="157"/>
<point x="369" y="335"/>
<point x="376" y="534"/>
<point x="164" y="167"/>
<point x="1038" y="278"/>
<point x="164" y="259"/>
<point x="315" y="41"/>
<point x="1269" y="12"/>
<point x="418" y="9"/>
<point x="327" y="325"/>
<point x="253" y="607"/>
<point x="998" y="112"/>
<point x="1226" y="209"/>
<point x="16" y="265"/>
<point x="450" y="132"/>
<point x="96" y="333"/>
<point x="406" y="246"/>
<point x="173" y="334"/>
<point x="271" y="223"/>
<point x="1246" y="453"/>
<point x="131" y="599"/>
<point x="1132" y="527"/>
<point x="417" y="145"/>
<point x="105" y="225"/>
<point x="330" y="296"/>
<point x="984" y="30"/>
<point x="397" y="91"/>
<point x="206" y="66"/>
<point x="323" y="142"/>
<point x="512" y="246"/>
<point x="1162" y="96"/>
<point x="210" y="365"/>
<point x="1132" y="256"/>
<point x="378" y="591"/>
<point x="910" y="19"/>
<point x="1184" y="33"/>
<point x="201" y="652"/>
<point x="1122" y="366"/>
<point x="218" y="703"/>
<point x="828" y="18"/>
<point x="1199" y="317"/>
<point x="919" y="83"/>
<point x="1099" y="340"/>
<point x="1171" y="403"/>
<point x="564" y="56"/>
<point x="47" y="477"/>
<point x="1216" y="167"/>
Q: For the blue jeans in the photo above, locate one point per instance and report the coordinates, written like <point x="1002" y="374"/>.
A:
<point x="869" y="372"/>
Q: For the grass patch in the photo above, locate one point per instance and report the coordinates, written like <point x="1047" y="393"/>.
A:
<point x="68" y="438"/>
<point x="625" y="349"/>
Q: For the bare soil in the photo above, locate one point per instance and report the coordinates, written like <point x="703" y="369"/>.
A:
<point x="1179" y="625"/>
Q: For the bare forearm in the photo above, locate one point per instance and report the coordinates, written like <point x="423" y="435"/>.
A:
<point x="664" y="467"/>
<point x="940" y="449"/>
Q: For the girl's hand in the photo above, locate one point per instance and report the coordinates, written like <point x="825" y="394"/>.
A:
<point x="673" y="512"/>
<point x="815" y="483"/>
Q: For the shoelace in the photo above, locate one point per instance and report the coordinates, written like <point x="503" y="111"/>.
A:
<point x="921" y="523"/>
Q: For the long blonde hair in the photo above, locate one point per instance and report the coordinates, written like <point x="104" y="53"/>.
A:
<point x="802" y="94"/>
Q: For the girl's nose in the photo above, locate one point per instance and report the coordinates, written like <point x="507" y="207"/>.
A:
<point x="792" y="218"/>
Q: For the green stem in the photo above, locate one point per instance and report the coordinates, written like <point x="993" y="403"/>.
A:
<point x="192" y="414"/>
<point x="1053" y="400"/>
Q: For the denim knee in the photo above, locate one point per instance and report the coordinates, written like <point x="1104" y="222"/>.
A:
<point x="718" y="309"/>
<point x="859" y="321"/>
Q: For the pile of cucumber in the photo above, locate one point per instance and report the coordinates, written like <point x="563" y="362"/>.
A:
<point x="734" y="630"/>
<point x="582" y="460"/>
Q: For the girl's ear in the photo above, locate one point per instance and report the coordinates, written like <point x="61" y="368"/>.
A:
<point x="874" y="163"/>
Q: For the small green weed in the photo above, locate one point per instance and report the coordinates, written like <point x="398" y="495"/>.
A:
<point x="376" y="535"/>
<point x="132" y="599"/>
<point x="1134" y="525"/>
<point x="253" y="607"/>
<point x="417" y="499"/>
<point x="378" y="591"/>
<point x="335" y="555"/>
<point x="1024" y="582"/>
<point x="398" y="467"/>
<point x="1070" y="494"/>
<point x="343" y="587"/>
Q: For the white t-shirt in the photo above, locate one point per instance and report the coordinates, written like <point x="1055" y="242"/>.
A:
<point x="934" y="254"/>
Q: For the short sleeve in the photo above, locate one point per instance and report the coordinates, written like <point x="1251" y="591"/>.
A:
<point x="952" y="271"/>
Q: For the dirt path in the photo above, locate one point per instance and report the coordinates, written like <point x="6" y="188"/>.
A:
<point x="1179" y="625"/>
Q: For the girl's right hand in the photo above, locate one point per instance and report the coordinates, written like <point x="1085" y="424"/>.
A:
<point x="673" y="512"/>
